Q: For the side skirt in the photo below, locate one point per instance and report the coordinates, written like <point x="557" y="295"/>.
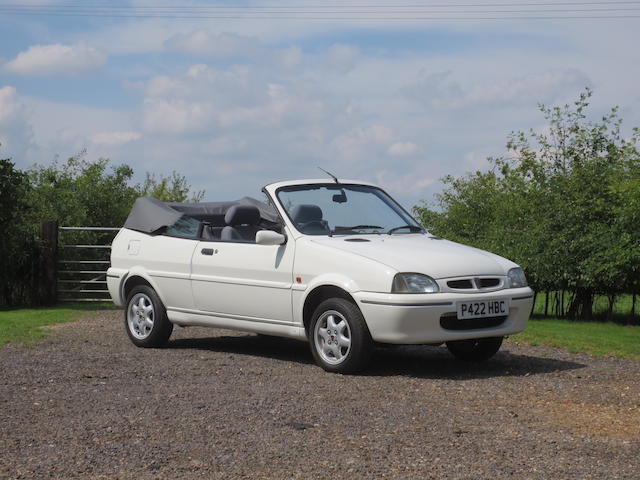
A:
<point x="265" y="326"/>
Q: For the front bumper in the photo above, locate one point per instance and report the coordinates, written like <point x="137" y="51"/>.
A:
<point x="415" y="319"/>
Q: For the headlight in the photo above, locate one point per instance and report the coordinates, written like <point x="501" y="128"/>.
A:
<point x="517" y="278"/>
<point x="413" y="283"/>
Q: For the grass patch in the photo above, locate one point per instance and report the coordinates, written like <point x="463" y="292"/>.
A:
<point x="599" y="339"/>
<point x="23" y="325"/>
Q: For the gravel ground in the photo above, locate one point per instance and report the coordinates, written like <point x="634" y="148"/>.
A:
<point x="87" y="404"/>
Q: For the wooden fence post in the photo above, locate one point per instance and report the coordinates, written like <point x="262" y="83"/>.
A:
<point x="49" y="262"/>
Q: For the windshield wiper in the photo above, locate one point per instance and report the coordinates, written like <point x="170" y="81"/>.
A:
<point x="412" y="228"/>
<point x="355" y="227"/>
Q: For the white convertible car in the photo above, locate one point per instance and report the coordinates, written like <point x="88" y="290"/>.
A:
<point x="338" y="263"/>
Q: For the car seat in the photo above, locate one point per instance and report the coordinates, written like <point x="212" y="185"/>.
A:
<point x="308" y="219"/>
<point x="241" y="224"/>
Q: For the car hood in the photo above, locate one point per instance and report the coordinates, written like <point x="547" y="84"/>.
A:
<point x="421" y="253"/>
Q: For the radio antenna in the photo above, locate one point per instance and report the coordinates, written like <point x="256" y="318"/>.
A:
<point x="335" y="179"/>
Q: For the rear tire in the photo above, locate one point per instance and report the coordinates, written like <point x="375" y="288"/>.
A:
<point x="475" y="349"/>
<point x="145" y="318"/>
<point x="339" y="338"/>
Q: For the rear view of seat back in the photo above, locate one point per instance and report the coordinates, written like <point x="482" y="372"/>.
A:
<point x="209" y="232"/>
<point x="242" y="224"/>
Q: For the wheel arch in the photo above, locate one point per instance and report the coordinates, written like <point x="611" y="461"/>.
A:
<point x="319" y="294"/>
<point x="135" y="278"/>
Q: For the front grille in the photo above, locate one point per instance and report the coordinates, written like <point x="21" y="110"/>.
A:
<point x="473" y="283"/>
<point x="466" y="283"/>
<point x="489" y="282"/>
<point x="451" y="322"/>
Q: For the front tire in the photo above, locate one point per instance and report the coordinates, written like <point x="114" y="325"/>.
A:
<point x="145" y="318"/>
<point x="475" y="349"/>
<point x="339" y="338"/>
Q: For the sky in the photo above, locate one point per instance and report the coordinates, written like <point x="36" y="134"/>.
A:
<point x="237" y="103"/>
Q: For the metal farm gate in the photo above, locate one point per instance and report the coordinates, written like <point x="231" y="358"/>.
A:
<point x="83" y="264"/>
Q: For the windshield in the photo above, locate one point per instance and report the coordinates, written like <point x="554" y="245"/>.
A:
<point x="328" y="209"/>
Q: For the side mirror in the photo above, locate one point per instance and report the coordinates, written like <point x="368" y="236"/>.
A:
<point x="269" y="237"/>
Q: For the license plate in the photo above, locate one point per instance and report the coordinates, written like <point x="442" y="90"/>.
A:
<point x="483" y="308"/>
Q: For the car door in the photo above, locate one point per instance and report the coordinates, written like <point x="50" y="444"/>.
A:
<point x="244" y="280"/>
<point x="166" y="260"/>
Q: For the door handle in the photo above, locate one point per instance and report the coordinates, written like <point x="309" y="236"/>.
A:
<point x="207" y="251"/>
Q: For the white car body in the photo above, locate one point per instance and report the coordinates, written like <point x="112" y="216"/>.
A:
<point x="270" y="289"/>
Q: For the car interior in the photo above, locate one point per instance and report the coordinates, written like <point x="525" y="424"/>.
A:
<point x="239" y="224"/>
<point x="309" y="219"/>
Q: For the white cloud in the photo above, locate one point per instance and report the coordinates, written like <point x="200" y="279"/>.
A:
<point x="258" y="121"/>
<point x="214" y="45"/>
<point x="342" y="57"/>
<point x="362" y="143"/>
<point x="56" y="60"/>
<point x="206" y="100"/>
<point x="290" y="57"/>
<point x="54" y="128"/>
<point x="475" y="160"/>
<point x="440" y="90"/>
<point x="152" y="35"/>
<point x="200" y="83"/>
<point x="115" y="138"/>
<point x="16" y="132"/>
<point x="176" y="117"/>
<point x="400" y="149"/>
<point x="390" y="112"/>
<point x="203" y="98"/>
<point x="401" y="184"/>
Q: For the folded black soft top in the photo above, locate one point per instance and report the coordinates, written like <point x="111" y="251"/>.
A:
<point x="149" y="215"/>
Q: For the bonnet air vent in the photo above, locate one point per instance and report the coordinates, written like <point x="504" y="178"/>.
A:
<point x="466" y="283"/>
<point x="356" y="240"/>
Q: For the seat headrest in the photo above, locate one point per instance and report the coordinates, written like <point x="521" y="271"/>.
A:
<point x="242" y="215"/>
<point x="306" y="213"/>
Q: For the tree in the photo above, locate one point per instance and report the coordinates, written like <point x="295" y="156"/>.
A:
<point x="95" y="193"/>
<point x="17" y="243"/>
<point x="563" y="205"/>
<point x="81" y="192"/>
<point x="173" y="188"/>
<point x="77" y="192"/>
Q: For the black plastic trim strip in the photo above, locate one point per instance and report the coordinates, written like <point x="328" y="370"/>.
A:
<point x="392" y="304"/>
